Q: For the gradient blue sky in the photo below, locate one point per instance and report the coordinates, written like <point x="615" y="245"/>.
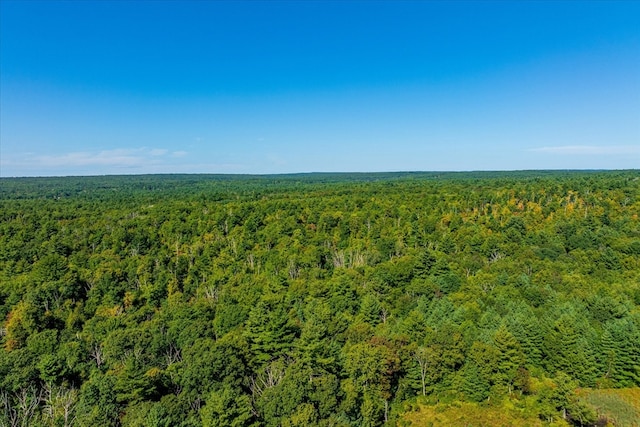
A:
<point x="91" y="88"/>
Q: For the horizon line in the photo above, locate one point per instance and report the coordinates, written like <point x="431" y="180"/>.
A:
<point x="325" y="173"/>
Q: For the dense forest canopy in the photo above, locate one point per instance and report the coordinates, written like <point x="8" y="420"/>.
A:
<point x="315" y="299"/>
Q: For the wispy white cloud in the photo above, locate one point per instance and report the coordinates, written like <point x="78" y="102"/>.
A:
<point x="599" y="150"/>
<point x="116" y="158"/>
<point x="120" y="157"/>
<point x="158" y="152"/>
<point x="115" y="161"/>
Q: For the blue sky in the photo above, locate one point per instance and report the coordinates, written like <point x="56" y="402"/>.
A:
<point x="92" y="88"/>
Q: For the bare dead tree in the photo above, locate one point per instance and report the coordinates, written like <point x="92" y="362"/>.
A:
<point x="294" y="270"/>
<point x="211" y="292"/>
<point x="172" y="354"/>
<point x="96" y="354"/>
<point x="19" y="409"/>
<point x="60" y="404"/>
<point x="421" y="356"/>
<point x="9" y="415"/>
<point x="270" y="377"/>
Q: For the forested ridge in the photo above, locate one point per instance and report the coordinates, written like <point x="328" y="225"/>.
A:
<point x="315" y="299"/>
